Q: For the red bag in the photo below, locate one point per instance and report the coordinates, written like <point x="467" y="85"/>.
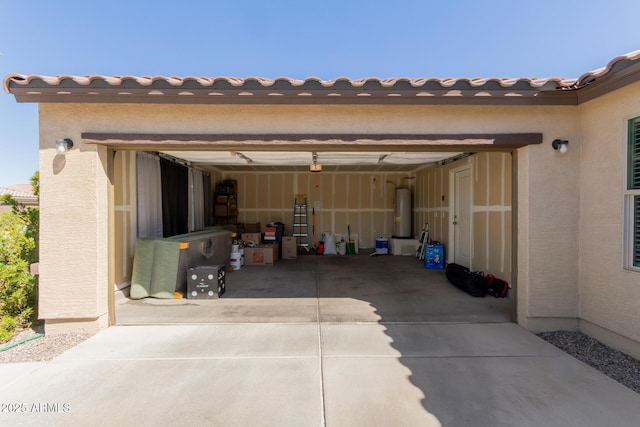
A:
<point x="497" y="287"/>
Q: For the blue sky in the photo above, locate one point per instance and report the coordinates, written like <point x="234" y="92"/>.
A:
<point x="325" y="39"/>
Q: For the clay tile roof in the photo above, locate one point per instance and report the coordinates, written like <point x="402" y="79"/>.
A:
<point x="41" y="81"/>
<point x="616" y="64"/>
<point x="96" y="88"/>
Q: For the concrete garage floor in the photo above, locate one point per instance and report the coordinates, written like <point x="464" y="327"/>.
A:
<point x="352" y="288"/>
<point x="387" y="343"/>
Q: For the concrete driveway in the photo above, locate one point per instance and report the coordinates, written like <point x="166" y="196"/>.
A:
<point x="329" y="358"/>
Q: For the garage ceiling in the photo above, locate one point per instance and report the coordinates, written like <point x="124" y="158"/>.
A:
<point x="300" y="161"/>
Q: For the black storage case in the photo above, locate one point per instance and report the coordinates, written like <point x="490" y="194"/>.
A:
<point x="206" y="282"/>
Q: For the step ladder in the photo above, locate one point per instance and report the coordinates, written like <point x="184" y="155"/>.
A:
<point x="423" y="242"/>
<point x="301" y="223"/>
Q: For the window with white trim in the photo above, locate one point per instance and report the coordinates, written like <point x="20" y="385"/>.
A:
<point x="632" y="198"/>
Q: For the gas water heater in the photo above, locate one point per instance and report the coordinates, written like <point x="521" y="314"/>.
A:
<point x="402" y="215"/>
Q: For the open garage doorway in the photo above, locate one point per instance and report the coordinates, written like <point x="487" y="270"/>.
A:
<point x="359" y="197"/>
<point x="328" y="289"/>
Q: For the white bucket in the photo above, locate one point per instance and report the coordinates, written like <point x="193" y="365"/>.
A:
<point x="236" y="260"/>
<point x="342" y="247"/>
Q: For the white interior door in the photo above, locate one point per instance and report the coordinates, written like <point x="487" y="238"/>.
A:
<point x="461" y="219"/>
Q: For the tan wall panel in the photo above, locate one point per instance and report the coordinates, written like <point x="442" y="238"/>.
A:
<point x="378" y="191"/>
<point x="340" y="192"/>
<point x="508" y="254"/>
<point x="496" y="179"/>
<point x="262" y="186"/>
<point x="489" y="241"/>
<point x="480" y="255"/>
<point x="276" y="196"/>
<point x="326" y="189"/>
<point x="508" y="180"/>
<point x="249" y="193"/>
<point x="480" y="183"/>
<point x="354" y="193"/>
<point x="124" y="215"/>
<point x="496" y="246"/>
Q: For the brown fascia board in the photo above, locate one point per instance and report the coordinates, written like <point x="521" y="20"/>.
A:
<point x="96" y="89"/>
<point x="302" y="97"/>
<point x="319" y="142"/>
<point x="612" y="80"/>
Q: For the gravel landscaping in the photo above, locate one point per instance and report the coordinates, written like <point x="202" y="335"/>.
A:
<point x="613" y="363"/>
<point x="40" y="349"/>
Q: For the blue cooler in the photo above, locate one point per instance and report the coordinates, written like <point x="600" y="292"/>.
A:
<point x="434" y="257"/>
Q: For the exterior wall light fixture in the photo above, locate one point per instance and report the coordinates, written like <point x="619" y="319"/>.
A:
<point x="63" y="145"/>
<point x="560" y="145"/>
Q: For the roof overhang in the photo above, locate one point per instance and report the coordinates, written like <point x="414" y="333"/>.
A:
<point x="224" y="90"/>
<point x="620" y="71"/>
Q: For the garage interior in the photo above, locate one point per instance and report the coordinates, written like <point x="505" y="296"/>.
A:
<point x="354" y="193"/>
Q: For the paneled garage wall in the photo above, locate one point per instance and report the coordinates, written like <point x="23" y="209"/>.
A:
<point x="491" y="208"/>
<point x="364" y="201"/>
<point x="125" y="214"/>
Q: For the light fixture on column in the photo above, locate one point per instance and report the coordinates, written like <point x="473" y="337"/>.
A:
<point x="63" y="145"/>
<point x="560" y="145"/>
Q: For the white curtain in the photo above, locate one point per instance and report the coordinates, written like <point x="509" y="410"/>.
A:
<point x="197" y="200"/>
<point x="149" y="195"/>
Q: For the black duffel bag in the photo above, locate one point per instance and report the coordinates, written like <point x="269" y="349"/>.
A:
<point x="472" y="282"/>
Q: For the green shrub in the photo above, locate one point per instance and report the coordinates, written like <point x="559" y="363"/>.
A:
<point x="18" y="249"/>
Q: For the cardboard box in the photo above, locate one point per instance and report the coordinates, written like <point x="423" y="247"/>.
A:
<point x="289" y="247"/>
<point x="262" y="255"/>
<point x="252" y="227"/>
<point x="251" y="237"/>
<point x="222" y="210"/>
<point x="205" y="282"/>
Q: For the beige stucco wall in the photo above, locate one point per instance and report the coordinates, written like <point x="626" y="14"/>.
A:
<point x="75" y="188"/>
<point x="548" y="217"/>
<point x="609" y="294"/>
<point x="73" y="228"/>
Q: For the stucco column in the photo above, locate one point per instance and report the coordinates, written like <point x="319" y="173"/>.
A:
<point x="73" y="230"/>
<point x="548" y="224"/>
